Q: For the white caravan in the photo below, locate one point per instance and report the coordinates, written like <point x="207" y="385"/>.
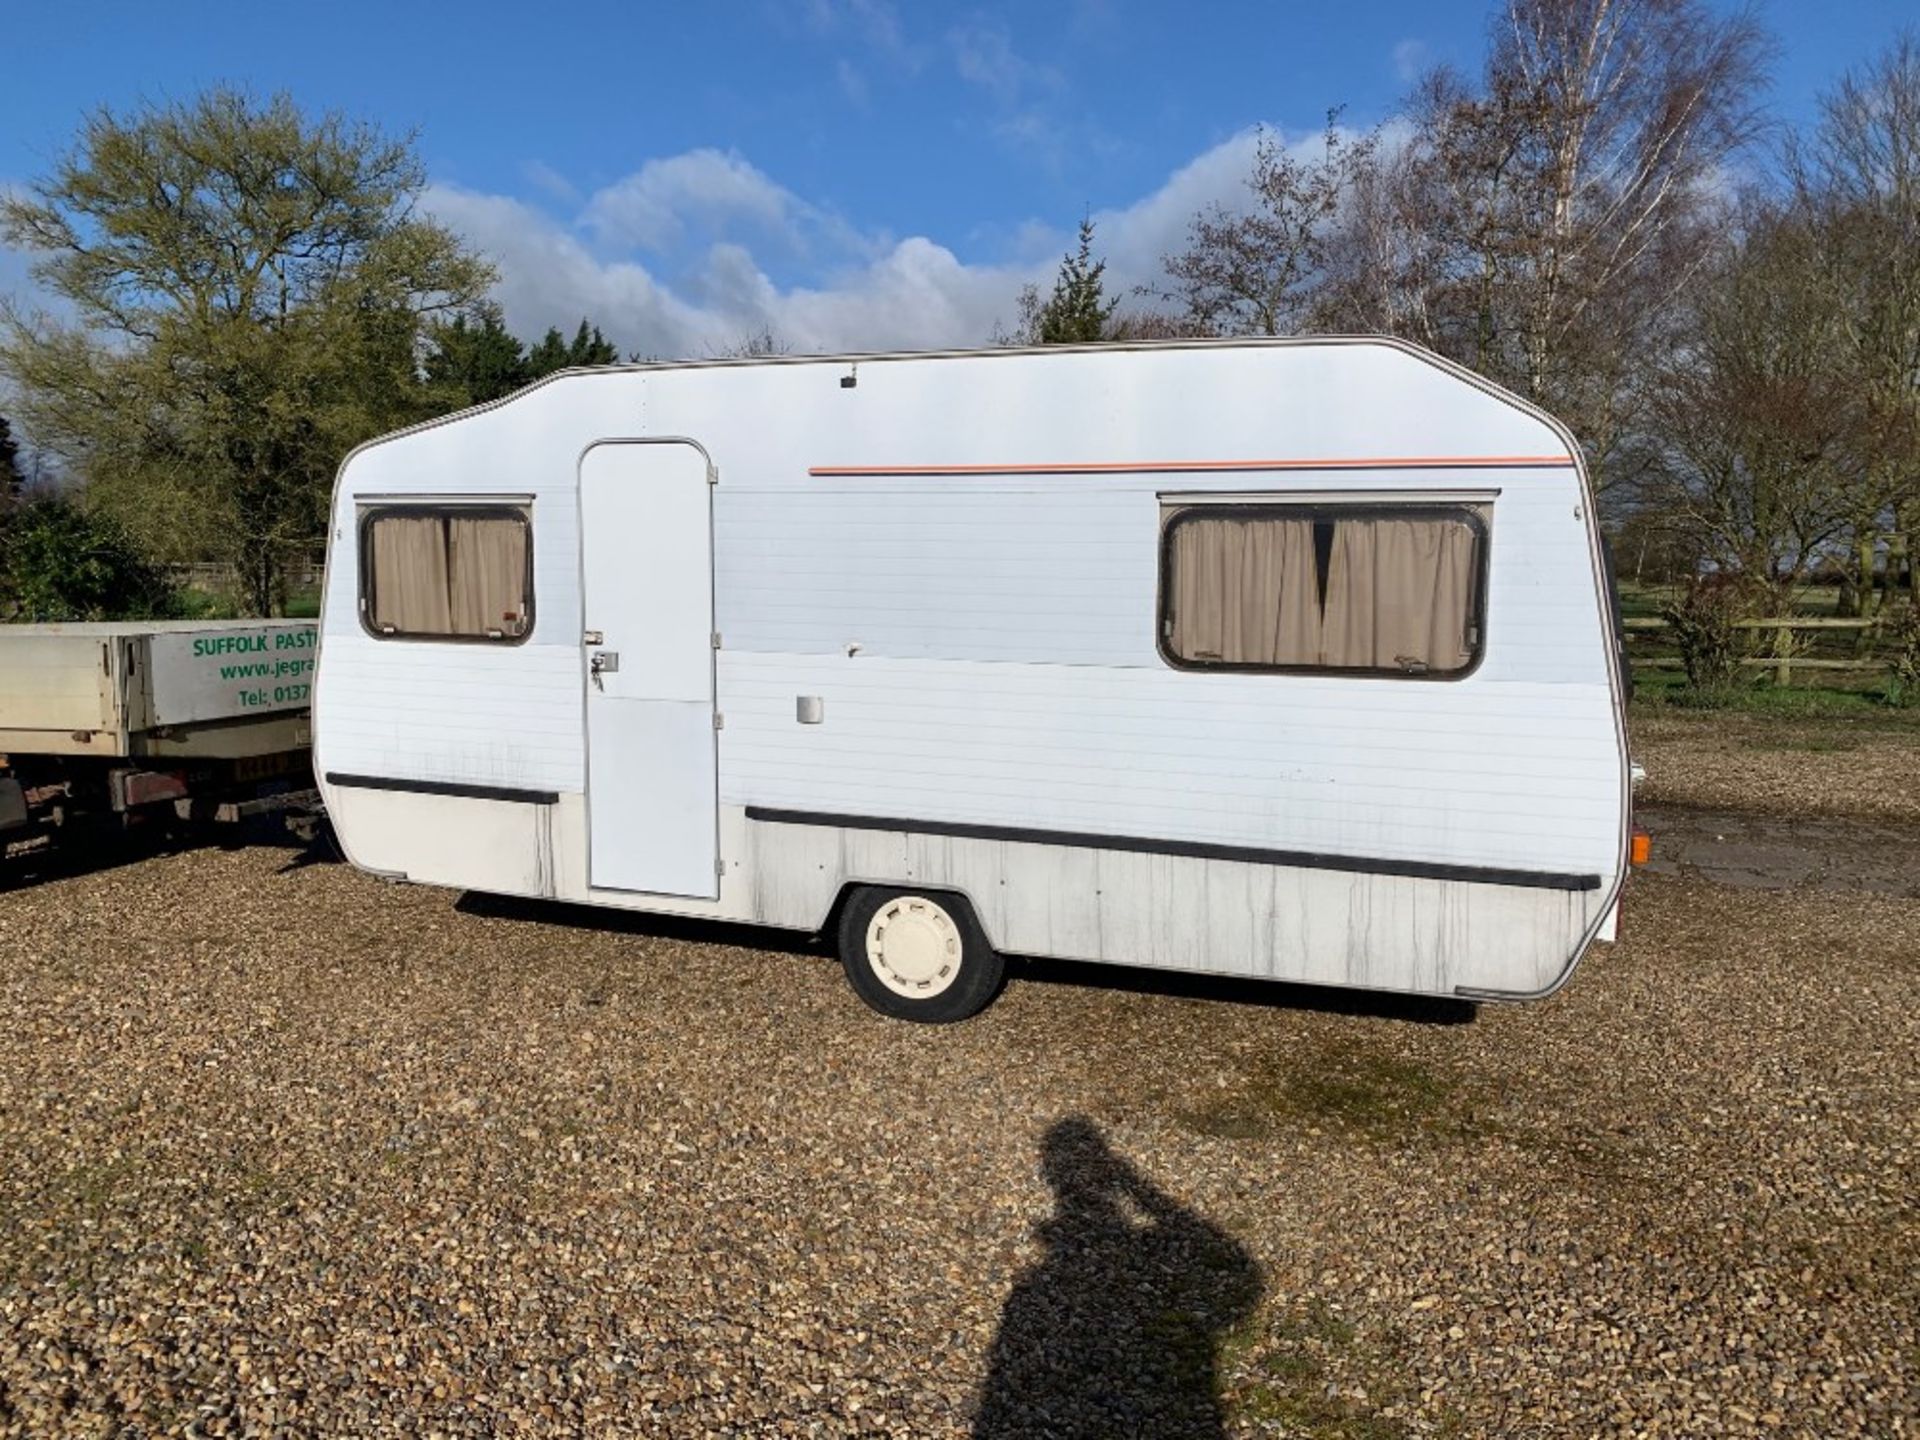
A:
<point x="1290" y="659"/>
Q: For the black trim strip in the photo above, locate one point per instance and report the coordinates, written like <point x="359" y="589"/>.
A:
<point x="445" y="787"/>
<point x="1190" y="849"/>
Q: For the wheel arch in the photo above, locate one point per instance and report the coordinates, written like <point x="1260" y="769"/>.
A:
<point x="829" y="921"/>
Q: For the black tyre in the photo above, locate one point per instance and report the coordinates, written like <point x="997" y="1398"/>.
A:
<point x="918" y="954"/>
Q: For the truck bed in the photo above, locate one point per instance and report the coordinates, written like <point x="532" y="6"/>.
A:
<point x="155" y="687"/>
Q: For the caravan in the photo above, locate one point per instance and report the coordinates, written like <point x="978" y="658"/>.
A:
<point x="1289" y="659"/>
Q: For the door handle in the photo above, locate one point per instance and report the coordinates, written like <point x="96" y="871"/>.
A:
<point x="603" y="662"/>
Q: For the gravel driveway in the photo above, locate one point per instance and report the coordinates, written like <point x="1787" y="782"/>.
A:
<point x="288" y="1151"/>
<point x="1865" y="765"/>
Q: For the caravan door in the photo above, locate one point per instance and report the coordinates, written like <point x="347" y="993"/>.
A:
<point x="646" y="527"/>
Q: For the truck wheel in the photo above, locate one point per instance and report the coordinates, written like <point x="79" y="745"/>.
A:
<point x="918" y="955"/>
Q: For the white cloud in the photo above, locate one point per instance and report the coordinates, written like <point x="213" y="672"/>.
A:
<point x="1093" y="18"/>
<point x="983" y="55"/>
<point x="1135" y="237"/>
<point x="914" y="294"/>
<point x="652" y="208"/>
<point x="545" y="177"/>
<point x="864" y="291"/>
<point x="679" y="259"/>
<point x="1025" y="96"/>
<point x="875" y="25"/>
<point x="1410" y="59"/>
<point x="682" y="203"/>
<point x="548" y="277"/>
<point x="852" y="83"/>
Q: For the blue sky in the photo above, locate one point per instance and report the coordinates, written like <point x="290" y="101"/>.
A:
<point x="853" y="173"/>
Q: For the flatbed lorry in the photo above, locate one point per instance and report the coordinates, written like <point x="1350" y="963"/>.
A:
<point x="117" y="724"/>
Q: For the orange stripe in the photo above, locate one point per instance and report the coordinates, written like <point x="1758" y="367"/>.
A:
<point x="1131" y="467"/>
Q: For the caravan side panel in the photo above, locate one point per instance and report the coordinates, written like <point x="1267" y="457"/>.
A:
<point x="1321" y="927"/>
<point x="954" y="562"/>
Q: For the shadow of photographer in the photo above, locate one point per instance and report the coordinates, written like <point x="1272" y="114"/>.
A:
<point x="1117" y="1330"/>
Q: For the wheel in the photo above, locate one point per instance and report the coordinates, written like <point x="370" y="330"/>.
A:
<point x="918" y="955"/>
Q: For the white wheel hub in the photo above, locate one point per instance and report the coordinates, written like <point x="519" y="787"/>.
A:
<point x="914" y="947"/>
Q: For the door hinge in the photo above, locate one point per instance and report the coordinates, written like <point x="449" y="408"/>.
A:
<point x="713" y="474"/>
<point x="716" y="639"/>
<point x="720" y="866"/>
<point x="719" y="721"/>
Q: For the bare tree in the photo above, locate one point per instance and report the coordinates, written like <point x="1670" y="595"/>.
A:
<point x="761" y="344"/>
<point x="1538" y="225"/>
<point x="1635" y="103"/>
<point x="1027" y="306"/>
<point x="1257" y="271"/>
<point x="1154" y="325"/>
<point x="1857" y="187"/>
<point x="1387" y="261"/>
<point x="1757" y="423"/>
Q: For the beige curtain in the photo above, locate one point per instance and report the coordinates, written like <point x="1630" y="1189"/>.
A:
<point x="1244" y="591"/>
<point x="489" y="575"/>
<point x="1399" y="595"/>
<point x="409" y="574"/>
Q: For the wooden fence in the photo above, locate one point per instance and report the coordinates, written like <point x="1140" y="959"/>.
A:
<point x="1783" y="661"/>
<point x="303" y="572"/>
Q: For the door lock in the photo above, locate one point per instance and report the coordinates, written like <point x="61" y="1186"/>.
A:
<point x="603" y="662"/>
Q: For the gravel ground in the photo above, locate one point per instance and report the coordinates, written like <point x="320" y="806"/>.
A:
<point x="1755" y="850"/>
<point x="1779" y="764"/>
<point x="287" y="1151"/>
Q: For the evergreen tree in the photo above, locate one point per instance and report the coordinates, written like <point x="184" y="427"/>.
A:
<point x="1078" y="311"/>
<point x="547" y="355"/>
<point x="476" y="360"/>
<point x="588" y="347"/>
<point x="472" y="363"/>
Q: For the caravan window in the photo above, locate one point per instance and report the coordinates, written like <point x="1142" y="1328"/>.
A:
<point x="447" y="572"/>
<point x="1378" y="589"/>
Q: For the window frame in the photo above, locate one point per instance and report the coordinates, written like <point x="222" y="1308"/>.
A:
<point x="441" y="508"/>
<point x="1476" y="514"/>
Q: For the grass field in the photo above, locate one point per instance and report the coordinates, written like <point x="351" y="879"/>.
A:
<point x="1644" y="601"/>
<point x="1864" y="696"/>
<point x="1814" y="692"/>
<point x="199" y="604"/>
